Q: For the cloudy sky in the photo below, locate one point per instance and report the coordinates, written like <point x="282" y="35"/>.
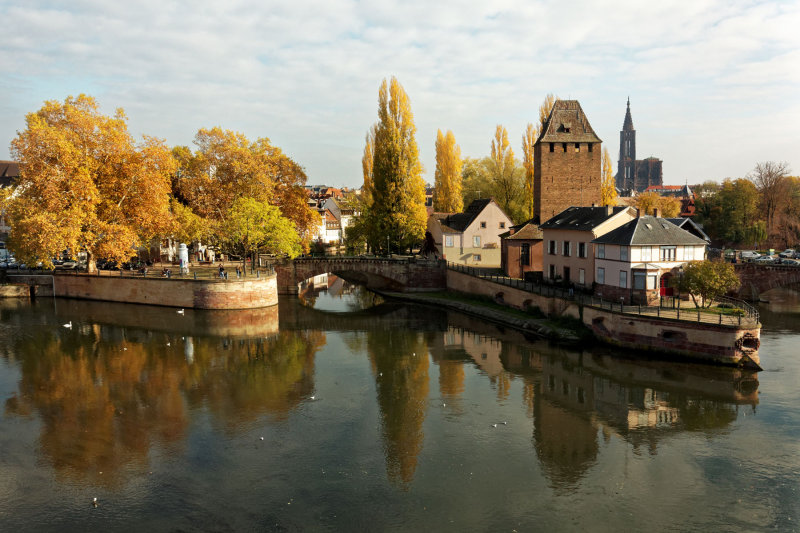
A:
<point x="713" y="83"/>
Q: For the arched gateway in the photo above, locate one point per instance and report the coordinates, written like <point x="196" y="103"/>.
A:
<point x="399" y="275"/>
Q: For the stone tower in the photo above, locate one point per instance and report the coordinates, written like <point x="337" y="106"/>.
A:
<point x="626" y="166"/>
<point x="566" y="162"/>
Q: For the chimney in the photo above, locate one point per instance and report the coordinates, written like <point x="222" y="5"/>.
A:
<point x="656" y="213"/>
<point x="609" y="210"/>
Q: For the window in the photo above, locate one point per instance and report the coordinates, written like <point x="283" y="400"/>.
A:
<point x="552" y="272"/>
<point x="577" y="147"/>
<point x="476" y="241"/>
<point x="601" y="251"/>
<point x="483" y="225"/>
<point x="564" y="146"/>
<point x="601" y="275"/>
<point x="623" y="253"/>
<point x="581" y="276"/>
<point x="668" y="253"/>
<point x="476" y="257"/>
<point x="552" y="147"/>
<point x="565" y="248"/>
<point x="581" y="249"/>
<point x="638" y="280"/>
<point x="525" y="254"/>
<point x="502" y="225"/>
<point x="646" y="254"/>
<point x="589" y="145"/>
<point x="623" y="279"/>
<point x="551" y="248"/>
<point x="448" y="241"/>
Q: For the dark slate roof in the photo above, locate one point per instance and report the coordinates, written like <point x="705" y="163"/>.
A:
<point x="567" y="123"/>
<point x="648" y="230"/>
<point x="628" y="124"/>
<point x="581" y="218"/>
<point x="527" y="231"/>
<point x="458" y="222"/>
<point x="691" y="226"/>
<point x="9" y="173"/>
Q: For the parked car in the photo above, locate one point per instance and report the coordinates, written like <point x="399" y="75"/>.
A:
<point x="764" y="260"/>
<point x="788" y="253"/>
<point x="749" y="256"/>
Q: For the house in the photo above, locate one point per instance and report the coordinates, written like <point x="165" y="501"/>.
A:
<point x="342" y="211"/>
<point x="329" y="230"/>
<point x="568" y="255"/>
<point x="691" y="226"/>
<point x="521" y="249"/>
<point x="634" y="262"/>
<point x="471" y="237"/>
<point x="681" y="192"/>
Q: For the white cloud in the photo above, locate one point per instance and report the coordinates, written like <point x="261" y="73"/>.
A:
<point x="306" y="74"/>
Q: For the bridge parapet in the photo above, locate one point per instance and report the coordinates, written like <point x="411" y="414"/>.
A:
<point x="757" y="278"/>
<point x="401" y="274"/>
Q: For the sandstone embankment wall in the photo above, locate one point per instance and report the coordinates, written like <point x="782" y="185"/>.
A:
<point x="171" y="292"/>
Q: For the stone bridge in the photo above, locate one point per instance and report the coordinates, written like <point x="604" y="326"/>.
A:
<point x="389" y="274"/>
<point x="757" y="279"/>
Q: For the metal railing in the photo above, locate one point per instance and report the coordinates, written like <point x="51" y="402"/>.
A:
<point x="669" y="308"/>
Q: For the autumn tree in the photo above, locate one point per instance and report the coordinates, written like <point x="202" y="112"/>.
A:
<point x="227" y="166"/>
<point x="251" y="227"/>
<point x="728" y="213"/>
<point x="505" y="179"/>
<point x="769" y="178"/>
<point x="545" y="108"/>
<point x="708" y="280"/>
<point x="398" y="207"/>
<point x="86" y="185"/>
<point x="528" y="142"/>
<point x="647" y="202"/>
<point x="447" y="192"/>
<point x="608" y="183"/>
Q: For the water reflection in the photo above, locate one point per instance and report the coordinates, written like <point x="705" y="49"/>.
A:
<point x="127" y="380"/>
<point x="329" y="292"/>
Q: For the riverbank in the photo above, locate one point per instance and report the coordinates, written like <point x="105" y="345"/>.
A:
<point x="565" y="330"/>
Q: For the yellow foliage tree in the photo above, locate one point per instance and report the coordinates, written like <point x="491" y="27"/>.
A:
<point x="545" y="109"/>
<point x="503" y="169"/>
<point x="447" y="193"/>
<point x="668" y="207"/>
<point x="398" y="208"/>
<point x="608" y="183"/>
<point x="85" y="185"/>
<point x="528" y="142"/>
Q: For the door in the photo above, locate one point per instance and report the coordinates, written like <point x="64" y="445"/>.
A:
<point x="664" y="287"/>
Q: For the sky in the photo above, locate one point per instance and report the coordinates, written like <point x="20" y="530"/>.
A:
<point x="713" y="84"/>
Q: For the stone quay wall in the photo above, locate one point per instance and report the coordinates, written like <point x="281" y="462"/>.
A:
<point x="171" y="292"/>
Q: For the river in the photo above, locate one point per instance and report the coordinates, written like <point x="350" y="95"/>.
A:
<point x="340" y="411"/>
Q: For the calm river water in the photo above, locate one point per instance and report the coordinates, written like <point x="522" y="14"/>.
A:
<point x="346" y="413"/>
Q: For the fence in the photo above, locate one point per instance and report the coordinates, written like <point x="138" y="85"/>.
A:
<point x="749" y="315"/>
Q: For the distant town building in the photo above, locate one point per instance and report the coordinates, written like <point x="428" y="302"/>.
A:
<point x="634" y="175"/>
<point x="566" y="162"/>
<point x="681" y="192"/>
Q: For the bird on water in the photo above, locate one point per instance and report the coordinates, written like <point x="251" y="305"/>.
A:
<point x="68" y="325"/>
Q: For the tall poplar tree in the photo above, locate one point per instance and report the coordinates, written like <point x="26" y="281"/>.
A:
<point x="447" y="193"/>
<point x="506" y="183"/>
<point x="608" y="184"/>
<point x="528" y="141"/>
<point x="398" y="206"/>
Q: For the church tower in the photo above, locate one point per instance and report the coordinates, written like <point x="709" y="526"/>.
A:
<point x="626" y="166"/>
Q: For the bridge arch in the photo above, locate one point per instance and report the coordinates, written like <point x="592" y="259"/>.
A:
<point x="756" y="279"/>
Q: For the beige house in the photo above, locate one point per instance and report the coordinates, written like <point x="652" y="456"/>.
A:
<point x="471" y="237"/>
<point x="568" y="254"/>
<point x="635" y="262"/>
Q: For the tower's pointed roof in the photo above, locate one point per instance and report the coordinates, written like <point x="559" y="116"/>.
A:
<point x="628" y="125"/>
<point x="567" y="123"/>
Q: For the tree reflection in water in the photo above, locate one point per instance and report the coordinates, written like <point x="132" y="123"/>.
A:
<point x="105" y="394"/>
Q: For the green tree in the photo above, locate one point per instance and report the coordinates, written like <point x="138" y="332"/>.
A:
<point x="250" y="227"/>
<point x="85" y="185"/>
<point x="708" y="280"/>
<point x="755" y="233"/>
<point x="398" y="207"/>
<point x="608" y="184"/>
<point x="528" y="142"/>
<point x="447" y="192"/>
<point x="476" y="179"/>
<point x="770" y="179"/>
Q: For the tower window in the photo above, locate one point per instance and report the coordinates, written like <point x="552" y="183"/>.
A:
<point x="552" y="147"/>
<point x="577" y="147"/>
<point x="590" y="146"/>
<point x="564" y="146"/>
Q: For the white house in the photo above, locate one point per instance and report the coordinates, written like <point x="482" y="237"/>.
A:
<point x="634" y="263"/>
<point x="471" y="237"/>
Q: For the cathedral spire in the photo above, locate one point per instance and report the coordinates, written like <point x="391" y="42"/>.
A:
<point x="628" y="124"/>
